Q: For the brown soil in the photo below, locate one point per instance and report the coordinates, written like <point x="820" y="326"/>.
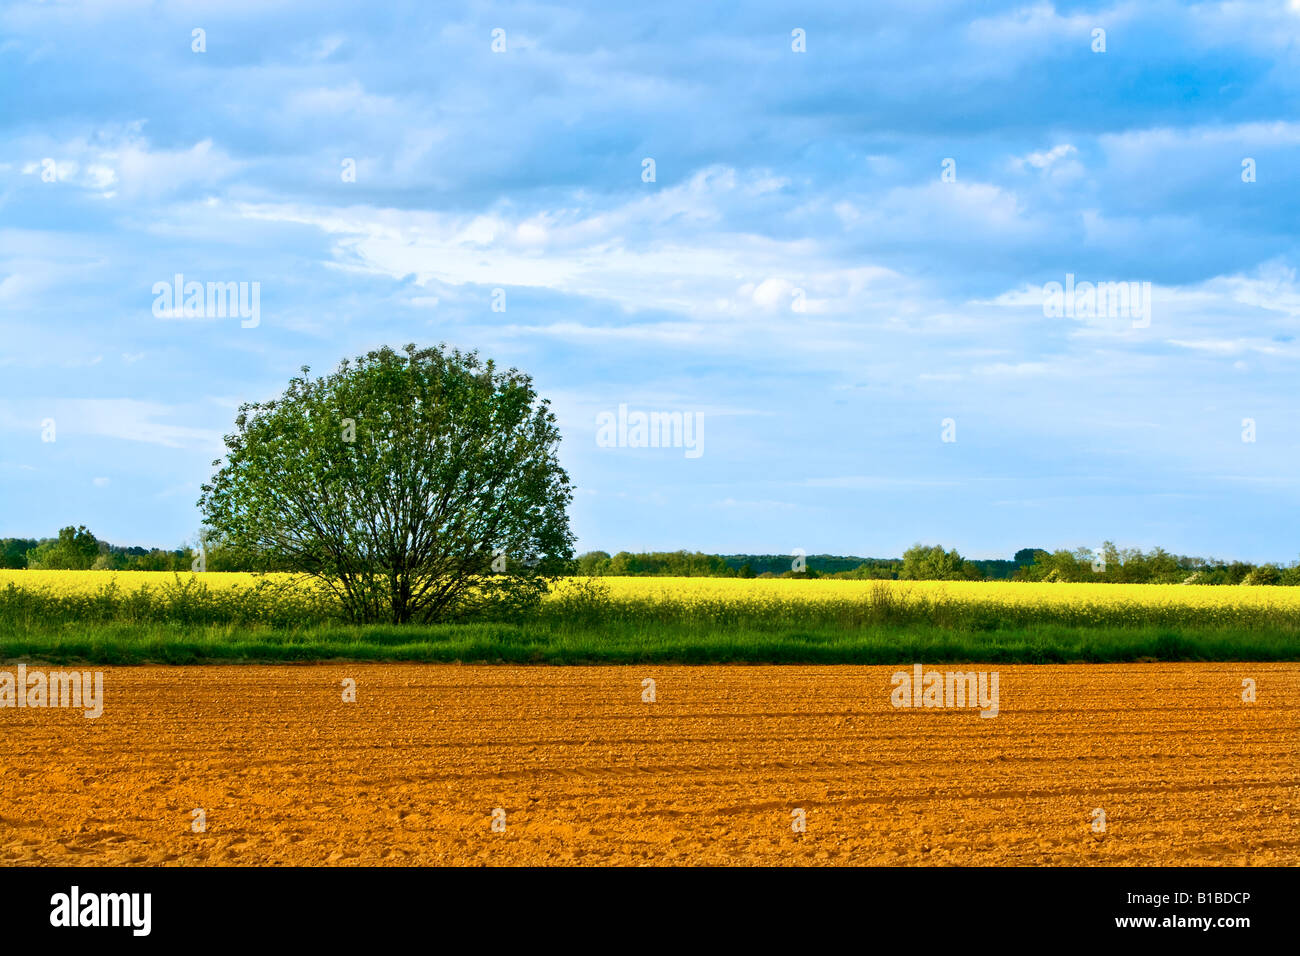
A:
<point x="710" y="773"/>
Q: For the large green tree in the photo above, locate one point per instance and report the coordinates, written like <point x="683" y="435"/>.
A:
<point x="75" y="549"/>
<point x="13" y="551"/>
<point x="415" y="485"/>
<point x="921" y="563"/>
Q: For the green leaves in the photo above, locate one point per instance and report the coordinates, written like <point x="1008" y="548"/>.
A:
<point x="443" y="462"/>
<point x="74" y="550"/>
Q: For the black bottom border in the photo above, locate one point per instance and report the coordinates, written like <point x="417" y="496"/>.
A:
<point x="674" y="906"/>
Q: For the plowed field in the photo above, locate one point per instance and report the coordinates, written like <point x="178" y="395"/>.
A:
<point x="711" y="772"/>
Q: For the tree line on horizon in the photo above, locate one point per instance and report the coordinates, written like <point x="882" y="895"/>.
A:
<point x="77" y="549"/>
<point x="1109" y="564"/>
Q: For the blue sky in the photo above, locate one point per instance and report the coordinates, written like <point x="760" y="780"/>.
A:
<point x="800" y="274"/>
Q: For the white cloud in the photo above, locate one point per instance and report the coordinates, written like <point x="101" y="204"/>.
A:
<point x="121" y="418"/>
<point x="919" y="213"/>
<point x="694" y="269"/>
<point x="1044" y="159"/>
<point x="760" y="506"/>
<point x="876" y="483"/>
<point x="1226" y="346"/>
<point x="121" y="162"/>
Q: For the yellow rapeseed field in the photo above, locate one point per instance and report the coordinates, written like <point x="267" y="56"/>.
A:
<point x="1001" y="592"/>
<point x="89" y="582"/>
<point x="777" y="590"/>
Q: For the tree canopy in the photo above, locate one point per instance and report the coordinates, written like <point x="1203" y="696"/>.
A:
<point x="75" y="549"/>
<point x="415" y="485"/>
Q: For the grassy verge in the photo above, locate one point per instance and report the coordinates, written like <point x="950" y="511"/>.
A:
<point x="630" y="643"/>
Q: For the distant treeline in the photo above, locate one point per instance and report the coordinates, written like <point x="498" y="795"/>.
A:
<point x="78" y="549"/>
<point x="917" y="562"/>
<point x="931" y="563"/>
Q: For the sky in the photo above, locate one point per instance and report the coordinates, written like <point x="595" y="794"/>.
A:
<point x="825" y="234"/>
